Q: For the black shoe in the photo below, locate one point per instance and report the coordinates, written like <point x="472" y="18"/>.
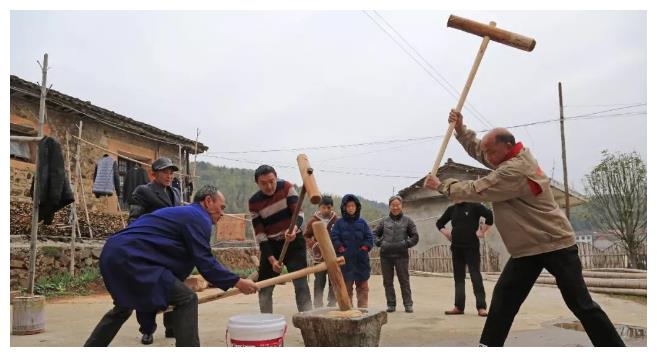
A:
<point x="168" y="333"/>
<point x="147" y="339"/>
<point x="408" y="309"/>
<point x="390" y="309"/>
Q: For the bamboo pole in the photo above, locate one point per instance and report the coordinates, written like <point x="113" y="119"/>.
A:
<point x="35" y="192"/>
<point x="116" y="154"/>
<point x="74" y="213"/>
<point x="78" y="168"/>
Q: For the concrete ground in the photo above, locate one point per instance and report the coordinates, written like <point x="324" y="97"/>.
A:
<point x="70" y="320"/>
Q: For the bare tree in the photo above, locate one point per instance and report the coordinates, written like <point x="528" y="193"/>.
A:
<point x="617" y="191"/>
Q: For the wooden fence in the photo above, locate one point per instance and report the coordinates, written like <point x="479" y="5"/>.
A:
<point x="437" y="259"/>
<point x="612" y="257"/>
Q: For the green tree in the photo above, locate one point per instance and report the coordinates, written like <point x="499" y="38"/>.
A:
<point x="238" y="185"/>
<point x="617" y="194"/>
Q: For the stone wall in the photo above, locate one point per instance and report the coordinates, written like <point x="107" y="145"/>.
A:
<point x="54" y="257"/>
<point x="21" y="180"/>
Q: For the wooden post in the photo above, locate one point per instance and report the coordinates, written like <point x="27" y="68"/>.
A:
<point x="78" y="168"/>
<point x="194" y="172"/>
<point x="35" y="192"/>
<point x="563" y="155"/>
<point x="74" y="213"/>
<point x="334" y="272"/>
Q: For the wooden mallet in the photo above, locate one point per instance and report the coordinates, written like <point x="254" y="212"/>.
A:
<point x="309" y="187"/>
<point x="333" y="269"/>
<point x="273" y="281"/>
<point x="488" y="32"/>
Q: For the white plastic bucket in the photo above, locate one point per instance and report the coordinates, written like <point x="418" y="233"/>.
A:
<point x="256" y="330"/>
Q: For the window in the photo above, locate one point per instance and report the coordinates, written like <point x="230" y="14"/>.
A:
<point x="21" y="150"/>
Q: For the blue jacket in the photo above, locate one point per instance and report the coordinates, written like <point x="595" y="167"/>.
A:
<point x="351" y="233"/>
<point x="140" y="263"/>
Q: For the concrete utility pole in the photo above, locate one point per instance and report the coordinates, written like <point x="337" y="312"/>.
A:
<point x="563" y="155"/>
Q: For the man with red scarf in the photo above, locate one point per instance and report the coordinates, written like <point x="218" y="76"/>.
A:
<point x="534" y="230"/>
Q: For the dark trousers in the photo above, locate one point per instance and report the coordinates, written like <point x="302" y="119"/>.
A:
<point x="294" y="260"/>
<point x="147" y="324"/>
<point x="460" y="258"/>
<point x="388" y="268"/>
<point x="517" y="280"/>
<point x="184" y="319"/>
<point x="318" y="287"/>
<point x="362" y="292"/>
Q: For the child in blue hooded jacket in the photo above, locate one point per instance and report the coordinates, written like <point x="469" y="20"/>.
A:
<point x="353" y="239"/>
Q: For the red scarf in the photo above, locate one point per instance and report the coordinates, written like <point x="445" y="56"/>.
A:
<point x="533" y="186"/>
<point x="514" y="151"/>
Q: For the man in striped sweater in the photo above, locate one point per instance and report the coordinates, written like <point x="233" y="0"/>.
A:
<point x="271" y="213"/>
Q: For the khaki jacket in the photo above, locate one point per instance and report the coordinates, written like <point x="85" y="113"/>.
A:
<point x="529" y="223"/>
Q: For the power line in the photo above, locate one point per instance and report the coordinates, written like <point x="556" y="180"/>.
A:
<point x="456" y="91"/>
<point x="316" y="169"/>
<point x="381" y="142"/>
<point x="357" y="173"/>
<point x="599" y="105"/>
<point x="423" y="138"/>
<point x="417" y="62"/>
<point x="610" y="110"/>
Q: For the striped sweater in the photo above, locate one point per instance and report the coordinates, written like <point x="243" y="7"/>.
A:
<point x="270" y="215"/>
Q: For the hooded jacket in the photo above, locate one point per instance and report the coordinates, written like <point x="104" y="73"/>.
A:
<point x="353" y="239"/>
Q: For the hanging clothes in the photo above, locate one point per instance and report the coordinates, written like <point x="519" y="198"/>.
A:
<point x="189" y="188"/>
<point x="54" y="186"/>
<point x="106" y="177"/>
<point x="176" y="183"/>
<point x="136" y="176"/>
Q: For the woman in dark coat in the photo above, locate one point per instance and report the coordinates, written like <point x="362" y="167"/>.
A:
<point x="352" y="238"/>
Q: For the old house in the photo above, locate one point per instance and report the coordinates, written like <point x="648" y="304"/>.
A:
<point x="103" y="132"/>
<point x="425" y="206"/>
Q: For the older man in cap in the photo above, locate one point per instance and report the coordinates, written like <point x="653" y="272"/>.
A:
<point x="146" y="199"/>
<point x="158" y="193"/>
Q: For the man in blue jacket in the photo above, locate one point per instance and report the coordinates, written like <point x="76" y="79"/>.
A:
<point x="144" y="266"/>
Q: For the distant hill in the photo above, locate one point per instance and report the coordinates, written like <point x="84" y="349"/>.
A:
<point x="238" y="186"/>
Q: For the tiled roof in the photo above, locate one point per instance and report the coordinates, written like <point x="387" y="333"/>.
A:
<point x="72" y="104"/>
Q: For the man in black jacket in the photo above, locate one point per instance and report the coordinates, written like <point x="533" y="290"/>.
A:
<point x="158" y="193"/>
<point x="464" y="236"/>
<point x="395" y="235"/>
<point x="148" y="198"/>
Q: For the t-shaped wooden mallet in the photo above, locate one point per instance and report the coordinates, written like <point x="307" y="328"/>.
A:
<point x="488" y="32"/>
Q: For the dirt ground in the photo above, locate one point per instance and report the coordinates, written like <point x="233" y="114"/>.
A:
<point x="70" y="320"/>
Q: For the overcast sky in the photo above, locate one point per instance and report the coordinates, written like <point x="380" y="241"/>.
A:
<point x="273" y="80"/>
